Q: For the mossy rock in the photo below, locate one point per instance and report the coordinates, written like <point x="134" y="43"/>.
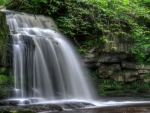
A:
<point x="17" y="111"/>
<point x="26" y="111"/>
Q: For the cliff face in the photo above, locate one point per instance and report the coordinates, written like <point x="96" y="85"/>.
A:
<point x="4" y="35"/>
<point x="114" y="61"/>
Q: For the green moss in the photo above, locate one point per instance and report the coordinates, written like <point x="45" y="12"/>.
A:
<point x="26" y="111"/>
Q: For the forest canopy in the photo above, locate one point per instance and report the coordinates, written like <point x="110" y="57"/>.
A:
<point x="89" y="22"/>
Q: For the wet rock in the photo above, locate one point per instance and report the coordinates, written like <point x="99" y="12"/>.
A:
<point x="110" y="58"/>
<point x="9" y="103"/>
<point x="146" y="80"/>
<point x="90" y="60"/>
<point x="45" y="107"/>
<point x="15" y="32"/>
<point x="130" y="73"/>
<point x="142" y="76"/>
<point x="130" y="79"/>
<point x="118" y="78"/>
<point x="91" y="65"/>
<point x="93" y="57"/>
<point x="107" y="71"/>
<point x="143" y="71"/>
<point x="133" y="65"/>
<point x="77" y="105"/>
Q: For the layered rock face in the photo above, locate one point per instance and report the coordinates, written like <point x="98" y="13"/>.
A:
<point x="114" y="60"/>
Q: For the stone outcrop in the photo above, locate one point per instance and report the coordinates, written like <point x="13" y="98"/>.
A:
<point x="108" y="71"/>
<point x="116" y="63"/>
<point x="117" y="44"/>
<point x="111" y="58"/>
<point x="133" y="65"/>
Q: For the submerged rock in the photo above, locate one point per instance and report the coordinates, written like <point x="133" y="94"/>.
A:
<point x="45" y="107"/>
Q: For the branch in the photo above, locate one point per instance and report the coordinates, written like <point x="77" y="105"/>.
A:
<point x="77" y="42"/>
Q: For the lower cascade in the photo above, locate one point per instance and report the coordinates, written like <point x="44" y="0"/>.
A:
<point x="44" y="62"/>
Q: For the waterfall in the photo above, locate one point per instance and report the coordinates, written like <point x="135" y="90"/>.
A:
<point x="45" y="64"/>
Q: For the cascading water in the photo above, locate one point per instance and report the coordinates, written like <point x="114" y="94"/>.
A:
<point x="44" y="62"/>
<point x="46" y="66"/>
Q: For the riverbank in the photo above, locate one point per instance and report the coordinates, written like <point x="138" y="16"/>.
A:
<point x="118" y="103"/>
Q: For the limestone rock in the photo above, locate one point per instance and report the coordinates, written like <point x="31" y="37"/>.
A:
<point x="107" y="71"/>
<point x="90" y="58"/>
<point x="142" y="76"/>
<point x="108" y="57"/>
<point x="117" y="44"/>
<point x="125" y="76"/>
<point x="118" y="78"/>
<point x="130" y="79"/>
<point x="130" y="73"/>
<point x="146" y="80"/>
<point x="91" y="64"/>
<point x="132" y="65"/>
<point x="15" y="32"/>
<point x="143" y="71"/>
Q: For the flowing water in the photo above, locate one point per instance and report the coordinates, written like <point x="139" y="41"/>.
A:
<point x="46" y="69"/>
<point x="44" y="62"/>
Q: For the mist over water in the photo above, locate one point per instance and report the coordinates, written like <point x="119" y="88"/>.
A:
<point x="45" y="64"/>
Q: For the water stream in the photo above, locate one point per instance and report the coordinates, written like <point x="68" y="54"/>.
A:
<point x="46" y="68"/>
<point x="45" y="64"/>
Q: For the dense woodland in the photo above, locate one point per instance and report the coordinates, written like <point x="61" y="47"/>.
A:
<point x="88" y="22"/>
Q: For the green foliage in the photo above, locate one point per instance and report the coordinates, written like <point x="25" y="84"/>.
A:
<point x="91" y="74"/>
<point x="2" y="69"/>
<point x="4" y="2"/>
<point x="90" y="22"/>
<point x="109" y="86"/>
<point x="5" y="84"/>
<point x="120" y="73"/>
<point x="147" y="76"/>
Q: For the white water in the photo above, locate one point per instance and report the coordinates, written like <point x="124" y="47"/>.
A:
<point x="44" y="62"/>
<point x="45" y="66"/>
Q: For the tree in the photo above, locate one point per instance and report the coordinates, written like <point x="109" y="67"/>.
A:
<point x="89" y="22"/>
